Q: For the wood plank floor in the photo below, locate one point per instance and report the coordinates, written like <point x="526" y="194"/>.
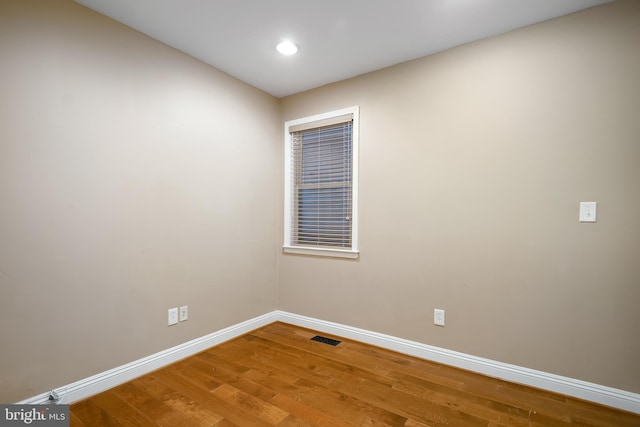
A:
<point x="277" y="376"/>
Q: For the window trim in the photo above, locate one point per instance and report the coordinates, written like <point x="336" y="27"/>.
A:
<point x="288" y="247"/>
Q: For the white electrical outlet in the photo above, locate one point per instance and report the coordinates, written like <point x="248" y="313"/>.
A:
<point x="438" y="317"/>
<point x="184" y="313"/>
<point x="173" y="316"/>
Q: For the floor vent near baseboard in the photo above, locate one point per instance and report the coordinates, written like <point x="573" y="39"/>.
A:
<point x="325" y="340"/>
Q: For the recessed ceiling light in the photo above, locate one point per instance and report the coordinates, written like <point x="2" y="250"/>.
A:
<point x="287" y="48"/>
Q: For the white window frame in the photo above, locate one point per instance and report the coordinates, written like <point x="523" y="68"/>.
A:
<point x="288" y="247"/>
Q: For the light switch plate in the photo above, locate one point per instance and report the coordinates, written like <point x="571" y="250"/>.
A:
<point x="587" y="211"/>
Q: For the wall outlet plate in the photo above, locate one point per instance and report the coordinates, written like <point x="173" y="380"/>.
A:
<point x="438" y="317"/>
<point x="173" y="316"/>
<point x="184" y="313"/>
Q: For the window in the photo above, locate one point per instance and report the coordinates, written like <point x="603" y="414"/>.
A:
<point x="321" y="183"/>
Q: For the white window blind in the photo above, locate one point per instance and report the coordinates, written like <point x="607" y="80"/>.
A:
<point x="321" y="184"/>
<point x="323" y="176"/>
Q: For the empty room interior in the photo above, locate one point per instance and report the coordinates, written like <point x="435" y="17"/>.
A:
<point x="135" y="178"/>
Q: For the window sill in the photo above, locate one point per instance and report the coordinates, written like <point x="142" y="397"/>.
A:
<point x="335" y="253"/>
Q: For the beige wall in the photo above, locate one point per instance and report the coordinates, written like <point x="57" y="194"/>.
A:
<point x="473" y="162"/>
<point x="133" y="179"/>
<point x="121" y="196"/>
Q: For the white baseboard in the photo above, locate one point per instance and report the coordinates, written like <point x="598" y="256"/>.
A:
<point x="568" y="386"/>
<point x="604" y="395"/>
<point x="89" y="386"/>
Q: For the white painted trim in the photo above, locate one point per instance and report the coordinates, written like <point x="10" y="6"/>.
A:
<point x="604" y="395"/>
<point x="568" y="386"/>
<point x="336" y="253"/>
<point x="103" y="381"/>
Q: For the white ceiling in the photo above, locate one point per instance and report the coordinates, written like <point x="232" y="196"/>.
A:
<point x="338" y="39"/>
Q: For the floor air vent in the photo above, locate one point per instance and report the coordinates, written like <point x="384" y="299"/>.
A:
<point x="325" y="340"/>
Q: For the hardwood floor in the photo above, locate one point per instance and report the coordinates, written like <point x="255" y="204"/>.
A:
<point x="277" y="376"/>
